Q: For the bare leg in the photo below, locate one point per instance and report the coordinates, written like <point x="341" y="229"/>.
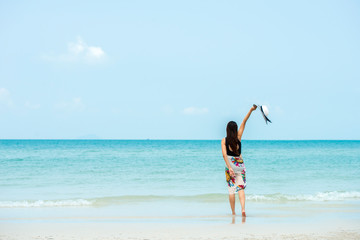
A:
<point x="242" y="200"/>
<point x="232" y="203"/>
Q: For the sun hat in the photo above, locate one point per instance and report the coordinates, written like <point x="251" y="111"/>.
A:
<point x="265" y="112"/>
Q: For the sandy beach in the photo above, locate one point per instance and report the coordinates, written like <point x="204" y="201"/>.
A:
<point x="140" y="230"/>
<point x="264" y="221"/>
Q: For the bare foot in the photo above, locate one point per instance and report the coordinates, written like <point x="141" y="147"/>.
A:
<point x="243" y="214"/>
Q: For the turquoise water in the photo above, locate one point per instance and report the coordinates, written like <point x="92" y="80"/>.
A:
<point x="52" y="173"/>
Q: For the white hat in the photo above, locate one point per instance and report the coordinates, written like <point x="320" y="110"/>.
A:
<point x="265" y="112"/>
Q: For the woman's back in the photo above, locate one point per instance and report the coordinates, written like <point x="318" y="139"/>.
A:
<point x="230" y="152"/>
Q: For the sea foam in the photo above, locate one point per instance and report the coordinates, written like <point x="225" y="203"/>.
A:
<point x="45" y="203"/>
<point x="215" y="197"/>
<point x="318" y="197"/>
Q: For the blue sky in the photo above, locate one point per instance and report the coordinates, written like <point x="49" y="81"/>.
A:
<point x="179" y="69"/>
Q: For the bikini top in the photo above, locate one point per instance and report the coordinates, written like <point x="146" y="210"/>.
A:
<point x="231" y="153"/>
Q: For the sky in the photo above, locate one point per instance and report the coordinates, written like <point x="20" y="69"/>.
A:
<point x="179" y="69"/>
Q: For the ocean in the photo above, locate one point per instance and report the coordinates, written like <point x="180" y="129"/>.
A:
<point x="171" y="177"/>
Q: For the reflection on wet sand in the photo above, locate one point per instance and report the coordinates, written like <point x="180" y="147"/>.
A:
<point x="243" y="219"/>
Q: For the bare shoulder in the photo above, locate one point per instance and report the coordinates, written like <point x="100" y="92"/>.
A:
<point x="223" y="141"/>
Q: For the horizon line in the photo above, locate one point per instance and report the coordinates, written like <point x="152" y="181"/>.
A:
<point x="164" y="139"/>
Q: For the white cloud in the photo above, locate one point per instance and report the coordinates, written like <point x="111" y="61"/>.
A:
<point x="195" y="111"/>
<point x="75" y="104"/>
<point x="78" y="47"/>
<point x="5" y="98"/>
<point x="95" y="52"/>
<point x="32" y="105"/>
<point x="79" y="51"/>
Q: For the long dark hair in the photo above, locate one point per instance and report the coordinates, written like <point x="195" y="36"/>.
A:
<point x="231" y="136"/>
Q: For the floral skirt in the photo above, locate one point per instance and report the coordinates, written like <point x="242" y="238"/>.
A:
<point x="238" y="182"/>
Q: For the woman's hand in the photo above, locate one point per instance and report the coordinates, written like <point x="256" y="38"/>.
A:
<point x="253" y="108"/>
<point x="231" y="172"/>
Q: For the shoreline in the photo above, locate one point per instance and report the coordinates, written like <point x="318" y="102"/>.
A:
<point x="264" y="221"/>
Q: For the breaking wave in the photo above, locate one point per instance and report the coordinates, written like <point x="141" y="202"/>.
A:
<point x="216" y="197"/>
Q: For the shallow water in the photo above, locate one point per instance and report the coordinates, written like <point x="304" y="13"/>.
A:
<point x="99" y="173"/>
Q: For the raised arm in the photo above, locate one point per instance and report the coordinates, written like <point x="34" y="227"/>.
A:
<point x="242" y="126"/>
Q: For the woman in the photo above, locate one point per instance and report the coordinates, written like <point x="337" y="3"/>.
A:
<point x="235" y="171"/>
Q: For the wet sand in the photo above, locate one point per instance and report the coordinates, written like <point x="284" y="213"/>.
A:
<point x="331" y="220"/>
